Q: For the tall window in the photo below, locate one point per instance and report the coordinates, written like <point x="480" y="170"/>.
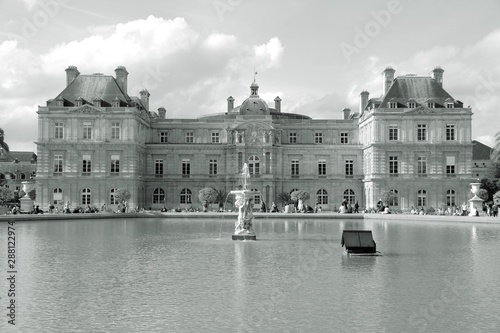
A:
<point x="186" y="168"/>
<point x="422" y="166"/>
<point x="318" y="137"/>
<point x="112" y="198"/>
<point x="295" y="168"/>
<point x="344" y="137"/>
<point x="158" y="196"/>
<point x="254" y="165"/>
<point x="393" y="133"/>
<point x="256" y="196"/>
<point x="450" y="132"/>
<point x="86" y="165"/>
<point x="87" y="130"/>
<point x="115" y="165"/>
<point x="395" y="198"/>
<point x="421" y="132"/>
<point x="164" y="137"/>
<point x="215" y="137"/>
<point x="322" y="168"/>
<point x="115" y="130"/>
<point x="349" y="196"/>
<point x="58" y="164"/>
<point x="185" y="197"/>
<point x="86" y="196"/>
<point x="322" y="197"/>
<point x="349" y="168"/>
<point x="393" y="166"/>
<point x="189" y="137"/>
<point x="159" y="168"/>
<point x="421" y="198"/>
<point x="212" y="167"/>
<point x="57" y="196"/>
<point x="450" y="166"/>
<point x="451" y="198"/>
<point x="240" y="161"/>
<point x="59" y="133"/>
<point x="292" y="137"/>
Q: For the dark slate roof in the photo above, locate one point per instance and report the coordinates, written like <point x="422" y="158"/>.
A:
<point x="90" y="88"/>
<point x="480" y="151"/>
<point x="21" y="156"/>
<point x="417" y="88"/>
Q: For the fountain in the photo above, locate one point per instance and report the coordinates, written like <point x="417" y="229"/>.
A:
<point x="244" y="201"/>
<point x="476" y="201"/>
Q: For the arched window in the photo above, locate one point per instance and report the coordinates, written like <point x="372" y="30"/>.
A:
<point x="22" y="176"/>
<point x="112" y="199"/>
<point x="451" y="198"/>
<point x="395" y="198"/>
<point x="254" y="165"/>
<point x="421" y="198"/>
<point x="186" y="196"/>
<point x="349" y="196"/>
<point x="86" y="196"/>
<point x="57" y="196"/>
<point x="158" y="196"/>
<point x="322" y="197"/>
<point x="293" y="190"/>
<point x="256" y="196"/>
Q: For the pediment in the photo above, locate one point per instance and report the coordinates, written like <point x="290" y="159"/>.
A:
<point x="420" y="110"/>
<point x="87" y="109"/>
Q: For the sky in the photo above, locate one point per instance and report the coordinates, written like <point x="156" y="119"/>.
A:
<point x="191" y="55"/>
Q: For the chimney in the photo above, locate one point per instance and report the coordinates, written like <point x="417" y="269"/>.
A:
<point x="346" y="112"/>
<point x="121" y="78"/>
<point x="363" y="100"/>
<point x="437" y="75"/>
<point x="388" y="78"/>
<point x="145" y="98"/>
<point x="162" y="112"/>
<point x="277" y="103"/>
<point x="71" y="74"/>
<point x="230" y="103"/>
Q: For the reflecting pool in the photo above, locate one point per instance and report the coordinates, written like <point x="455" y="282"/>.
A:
<point x="187" y="275"/>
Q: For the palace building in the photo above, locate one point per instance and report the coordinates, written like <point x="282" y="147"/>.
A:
<point x="94" y="138"/>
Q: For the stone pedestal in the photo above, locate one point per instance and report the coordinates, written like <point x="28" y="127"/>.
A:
<point x="476" y="203"/>
<point x="243" y="227"/>
<point x="26" y="204"/>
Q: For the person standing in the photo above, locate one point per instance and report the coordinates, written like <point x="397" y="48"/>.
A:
<point x="356" y="207"/>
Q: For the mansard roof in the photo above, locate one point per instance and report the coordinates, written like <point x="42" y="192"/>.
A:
<point x="91" y="88"/>
<point x="480" y="151"/>
<point x="421" y="89"/>
<point x="20" y="156"/>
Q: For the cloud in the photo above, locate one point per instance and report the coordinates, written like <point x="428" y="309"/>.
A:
<point x="188" y="72"/>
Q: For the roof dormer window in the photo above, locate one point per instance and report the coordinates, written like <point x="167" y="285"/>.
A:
<point x="116" y="102"/>
<point x="79" y="102"/>
<point x="431" y="104"/>
<point x="59" y="102"/>
<point x="412" y="104"/>
<point x="450" y="104"/>
<point x="97" y="103"/>
<point x="393" y="105"/>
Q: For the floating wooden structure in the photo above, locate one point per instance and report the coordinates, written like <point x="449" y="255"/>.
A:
<point x="359" y="242"/>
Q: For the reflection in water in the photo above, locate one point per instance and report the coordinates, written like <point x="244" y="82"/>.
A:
<point x="153" y="275"/>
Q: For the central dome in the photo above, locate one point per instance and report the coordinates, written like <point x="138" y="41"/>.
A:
<point x="254" y="104"/>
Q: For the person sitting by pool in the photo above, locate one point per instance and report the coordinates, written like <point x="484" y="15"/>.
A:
<point x="422" y="212"/>
<point x="178" y="209"/>
<point x="386" y="210"/>
<point x="413" y="211"/>
<point x="263" y="207"/>
<point x="163" y="209"/>
<point x="380" y="205"/>
<point x="274" y="208"/>
<point x="342" y="209"/>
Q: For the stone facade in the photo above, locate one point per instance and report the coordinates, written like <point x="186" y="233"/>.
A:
<point x="94" y="138"/>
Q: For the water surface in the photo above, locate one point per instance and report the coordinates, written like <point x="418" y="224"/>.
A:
<point x="186" y="275"/>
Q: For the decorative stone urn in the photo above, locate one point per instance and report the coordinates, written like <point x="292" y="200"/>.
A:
<point x="475" y="204"/>
<point x="26" y="202"/>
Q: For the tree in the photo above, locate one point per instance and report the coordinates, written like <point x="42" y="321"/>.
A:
<point x="122" y="195"/>
<point x="208" y="194"/>
<point x="284" y="198"/>
<point x="3" y="144"/>
<point x="496" y="198"/>
<point x="6" y="195"/>
<point x="299" y="195"/>
<point x="389" y="198"/>
<point x="223" y="197"/>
